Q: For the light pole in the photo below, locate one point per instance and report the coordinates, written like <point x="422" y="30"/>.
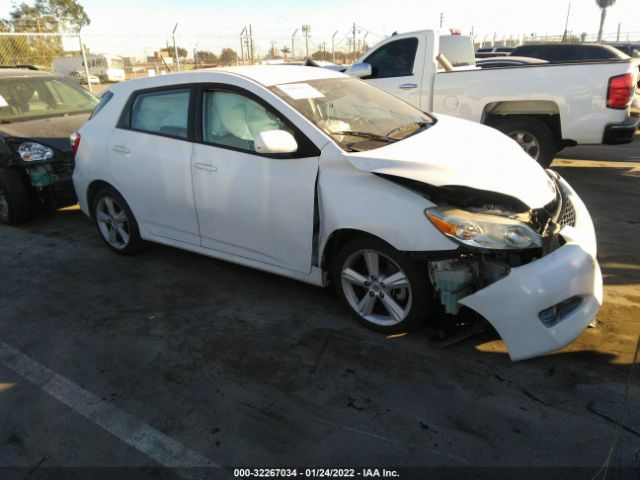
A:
<point x="175" y="48"/>
<point x="305" y="30"/>
<point x="293" y="52"/>
<point x="333" y="47"/>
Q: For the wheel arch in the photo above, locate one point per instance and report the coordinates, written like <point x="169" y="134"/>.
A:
<point x="92" y="190"/>
<point x="338" y="238"/>
<point x="546" y="111"/>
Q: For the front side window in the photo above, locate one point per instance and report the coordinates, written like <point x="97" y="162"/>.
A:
<point x="163" y="112"/>
<point x="395" y="59"/>
<point x="234" y="120"/>
<point x="357" y="115"/>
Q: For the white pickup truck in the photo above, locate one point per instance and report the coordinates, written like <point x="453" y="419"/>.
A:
<point x="543" y="107"/>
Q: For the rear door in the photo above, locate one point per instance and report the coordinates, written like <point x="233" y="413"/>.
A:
<point x="150" y="160"/>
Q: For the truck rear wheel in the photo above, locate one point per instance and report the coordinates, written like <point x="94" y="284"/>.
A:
<point x="533" y="135"/>
<point x="14" y="198"/>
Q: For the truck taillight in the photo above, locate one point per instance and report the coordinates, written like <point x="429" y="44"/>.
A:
<point x="74" y="138"/>
<point x="620" y="91"/>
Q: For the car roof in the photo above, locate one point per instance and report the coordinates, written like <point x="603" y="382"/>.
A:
<point x="269" y="75"/>
<point x="24" y="72"/>
<point x="266" y="75"/>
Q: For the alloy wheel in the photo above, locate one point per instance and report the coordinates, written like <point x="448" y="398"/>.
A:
<point x="112" y="222"/>
<point x="376" y="287"/>
<point x="528" y="142"/>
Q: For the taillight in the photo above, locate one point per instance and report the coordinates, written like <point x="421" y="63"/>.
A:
<point x="74" y="138"/>
<point x="620" y="91"/>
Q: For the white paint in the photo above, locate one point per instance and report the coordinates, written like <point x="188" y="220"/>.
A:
<point x="3" y="102"/>
<point x="578" y="90"/>
<point x="236" y="205"/>
<point x="141" y="436"/>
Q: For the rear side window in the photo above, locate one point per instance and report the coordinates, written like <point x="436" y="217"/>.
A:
<point x="163" y="112"/>
<point x="395" y="59"/>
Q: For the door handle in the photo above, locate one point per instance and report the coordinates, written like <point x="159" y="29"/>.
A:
<point x="206" y="167"/>
<point x="120" y="149"/>
<point x="408" y="86"/>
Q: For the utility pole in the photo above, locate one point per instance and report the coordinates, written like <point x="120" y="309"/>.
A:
<point x="565" y="37"/>
<point x="618" y="34"/>
<point x="293" y="52"/>
<point x="333" y="46"/>
<point x="251" y="45"/>
<point x="242" y="33"/>
<point x="353" y="44"/>
<point x="441" y="19"/>
<point x="175" y="48"/>
<point x="305" y="30"/>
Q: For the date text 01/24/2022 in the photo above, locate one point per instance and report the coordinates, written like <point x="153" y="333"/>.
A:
<point x="314" y="473"/>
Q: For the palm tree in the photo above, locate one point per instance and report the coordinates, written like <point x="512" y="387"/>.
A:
<point x="603" y="4"/>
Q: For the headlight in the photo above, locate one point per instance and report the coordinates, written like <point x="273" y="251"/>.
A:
<point x="34" y="152"/>
<point x="483" y="231"/>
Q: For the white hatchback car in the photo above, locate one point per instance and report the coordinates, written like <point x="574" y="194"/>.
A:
<point x="311" y="174"/>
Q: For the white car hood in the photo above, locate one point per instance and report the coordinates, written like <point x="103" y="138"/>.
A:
<point x="462" y="153"/>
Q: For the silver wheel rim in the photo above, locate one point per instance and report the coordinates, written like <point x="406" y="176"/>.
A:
<point x="376" y="288"/>
<point x="112" y="222"/>
<point x="4" y="206"/>
<point x="528" y="142"/>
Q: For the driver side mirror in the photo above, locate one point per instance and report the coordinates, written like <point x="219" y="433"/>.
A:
<point x="360" y="70"/>
<point x="275" y="141"/>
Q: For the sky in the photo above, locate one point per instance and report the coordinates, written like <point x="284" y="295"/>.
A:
<point x="131" y="27"/>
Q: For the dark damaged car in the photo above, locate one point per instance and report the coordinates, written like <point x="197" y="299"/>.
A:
<point x="38" y="112"/>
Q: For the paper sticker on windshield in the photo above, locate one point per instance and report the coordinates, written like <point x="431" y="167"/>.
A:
<point x="3" y="102"/>
<point x="300" y="91"/>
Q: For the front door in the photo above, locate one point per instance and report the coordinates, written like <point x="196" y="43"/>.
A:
<point x="395" y="69"/>
<point x="251" y="205"/>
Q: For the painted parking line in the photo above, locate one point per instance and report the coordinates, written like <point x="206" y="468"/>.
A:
<point x="154" y="444"/>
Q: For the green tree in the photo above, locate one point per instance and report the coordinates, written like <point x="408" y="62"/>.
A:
<point x="603" y="4"/>
<point x="228" y="56"/>
<point x="207" y="57"/>
<point x="182" y="52"/>
<point x="285" y="51"/>
<point x="48" y="16"/>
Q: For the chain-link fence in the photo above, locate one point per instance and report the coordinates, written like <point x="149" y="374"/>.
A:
<point x="61" y="53"/>
<point x="94" y="59"/>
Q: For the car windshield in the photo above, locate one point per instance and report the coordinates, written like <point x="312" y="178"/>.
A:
<point x="355" y="114"/>
<point x="24" y="98"/>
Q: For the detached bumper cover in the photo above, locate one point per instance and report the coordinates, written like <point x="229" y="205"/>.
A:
<point x="514" y="303"/>
<point x="616" y="133"/>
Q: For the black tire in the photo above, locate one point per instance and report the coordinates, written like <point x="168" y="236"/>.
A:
<point x="547" y="144"/>
<point x="418" y="304"/>
<point x="15" y="205"/>
<point x="119" y="243"/>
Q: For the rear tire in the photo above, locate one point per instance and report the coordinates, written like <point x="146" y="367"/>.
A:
<point x="115" y="222"/>
<point x="15" y="205"/>
<point x="382" y="288"/>
<point x="533" y="135"/>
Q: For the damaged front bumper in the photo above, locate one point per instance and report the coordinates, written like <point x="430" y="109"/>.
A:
<point x="52" y="181"/>
<point x="544" y="305"/>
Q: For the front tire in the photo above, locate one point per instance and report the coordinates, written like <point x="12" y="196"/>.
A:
<point x="383" y="289"/>
<point x="15" y="205"/>
<point x="115" y="222"/>
<point x="534" y="136"/>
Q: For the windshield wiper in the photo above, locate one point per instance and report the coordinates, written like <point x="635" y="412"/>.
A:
<point x="408" y="130"/>
<point x="368" y="135"/>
